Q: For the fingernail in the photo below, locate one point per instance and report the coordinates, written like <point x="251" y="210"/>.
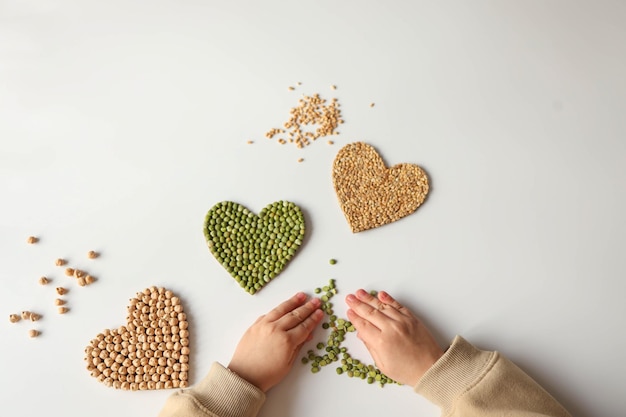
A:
<point x="350" y="298"/>
<point x="316" y="302"/>
<point x="301" y="296"/>
<point x="361" y="293"/>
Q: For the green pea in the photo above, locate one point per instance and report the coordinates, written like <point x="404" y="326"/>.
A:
<point x="339" y="371"/>
<point x="332" y="261"/>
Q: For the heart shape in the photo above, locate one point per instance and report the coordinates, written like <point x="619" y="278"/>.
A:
<point x="372" y="195"/>
<point x="150" y="352"/>
<point x="254" y="249"/>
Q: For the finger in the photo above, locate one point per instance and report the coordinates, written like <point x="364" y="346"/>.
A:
<point x="303" y="331"/>
<point x="386" y="298"/>
<point x="365" y="330"/>
<point x="287" y="306"/>
<point x="373" y="312"/>
<point x="373" y="301"/>
<point x="298" y="315"/>
<point x="389" y="309"/>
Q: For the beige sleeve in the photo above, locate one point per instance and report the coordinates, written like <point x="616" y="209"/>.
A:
<point x="470" y="382"/>
<point x="221" y="393"/>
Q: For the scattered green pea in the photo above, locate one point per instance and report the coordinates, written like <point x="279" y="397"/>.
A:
<point x="353" y="368"/>
<point x="332" y="261"/>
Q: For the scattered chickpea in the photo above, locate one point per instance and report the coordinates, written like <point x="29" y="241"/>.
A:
<point x="89" y="280"/>
<point x="300" y="159"/>
<point x="92" y="254"/>
<point x="330" y="142"/>
<point x="69" y="272"/>
<point x="14" y="318"/>
<point x="32" y="239"/>
<point x="81" y="282"/>
<point x="333" y="87"/>
<point x="34" y="316"/>
<point x="44" y="280"/>
<point x="60" y="262"/>
<point x="78" y="273"/>
<point x="372" y="104"/>
<point x="59" y="302"/>
<point x="63" y="310"/>
<point x="250" y="142"/>
<point x="33" y="333"/>
<point x="291" y="88"/>
<point x="26" y="315"/>
<point x="62" y="291"/>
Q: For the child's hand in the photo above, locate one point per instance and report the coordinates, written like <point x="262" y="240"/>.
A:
<point x="267" y="350"/>
<point x="400" y="344"/>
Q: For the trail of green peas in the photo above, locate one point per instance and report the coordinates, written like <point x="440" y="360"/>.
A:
<point x="333" y="352"/>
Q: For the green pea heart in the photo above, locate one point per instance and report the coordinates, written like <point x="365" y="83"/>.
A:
<point x="254" y="249"/>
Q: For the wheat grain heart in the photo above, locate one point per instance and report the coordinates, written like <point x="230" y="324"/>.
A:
<point x="150" y="352"/>
<point x="372" y="195"/>
<point x="254" y="249"/>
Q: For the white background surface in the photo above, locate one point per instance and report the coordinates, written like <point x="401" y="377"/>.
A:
<point x="123" y="122"/>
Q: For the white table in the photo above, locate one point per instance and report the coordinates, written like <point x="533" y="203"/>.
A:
<point x="122" y="123"/>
